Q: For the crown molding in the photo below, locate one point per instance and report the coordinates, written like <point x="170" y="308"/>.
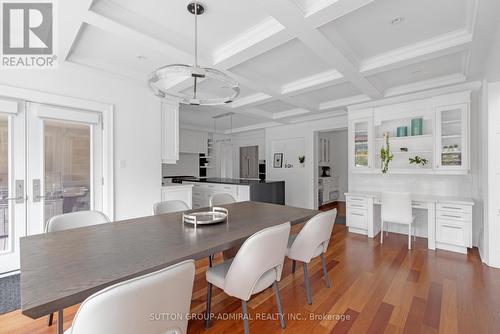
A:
<point x="318" y="116"/>
<point x="263" y="30"/>
<point x="466" y="86"/>
<point x="249" y="100"/>
<point x="252" y="127"/>
<point x="343" y="102"/>
<point x="290" y="113"/>
<point x="450" y="40"/>
<point x="312" y="82"/>
<point x="426" y="84"/>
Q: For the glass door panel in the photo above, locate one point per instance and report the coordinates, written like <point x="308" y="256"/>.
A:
<point x="361" y="137"/>
<point x="67" y="167"/>
<point x="451" y="137"/>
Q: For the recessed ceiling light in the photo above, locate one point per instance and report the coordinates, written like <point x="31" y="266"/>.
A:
<point x="141" y="57"/>
<point x="397" y="20"/>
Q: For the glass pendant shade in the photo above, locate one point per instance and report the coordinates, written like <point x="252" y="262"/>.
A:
<point x="164" y="80"/>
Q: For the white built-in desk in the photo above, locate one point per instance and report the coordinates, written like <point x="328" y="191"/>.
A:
<point x="449" y="219"/>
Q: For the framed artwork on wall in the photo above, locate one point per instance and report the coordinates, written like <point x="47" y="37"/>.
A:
<point x="278" y="160"/>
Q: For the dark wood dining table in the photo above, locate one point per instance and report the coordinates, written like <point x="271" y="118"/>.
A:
<point x="62" y="269"/>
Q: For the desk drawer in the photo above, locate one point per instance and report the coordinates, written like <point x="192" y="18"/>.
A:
<point x="356" y="202"/>
<point x="453" y="232"/>
<point x="453" y="207"/>
<point x="452" y="215"/>
<point x="357" y="218"/>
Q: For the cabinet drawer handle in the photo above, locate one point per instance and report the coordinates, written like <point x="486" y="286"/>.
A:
<point x="357" y="205"/>
<point x="452" y="208"/>
<point x="452" y="216"/>
<point x="357" y="214"/>
<point x="356" y="199"/>
<point x="452" y="226"/>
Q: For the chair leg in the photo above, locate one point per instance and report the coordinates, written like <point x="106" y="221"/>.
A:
<point x="245" y="316"/>
<point x="307" y="283"/>
<point x="382" y="232"/>
<point x="209" y="304"/>
<point x="293" y="266"/>
<point x="60" y="322"/>
<point x="325" y="272"/>
<point x="409" y="236"/>
<point x="210" y="260"/>
<point x="278" y="303"/>
<point x="50" y="319"/>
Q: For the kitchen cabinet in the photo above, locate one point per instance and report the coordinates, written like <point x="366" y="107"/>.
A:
<point x="193" y="141"/>
<point x="324" y="150"/>
<point x="178" y="192"/>
<point x="169" y="131"/>
<point x="453" y="227"/>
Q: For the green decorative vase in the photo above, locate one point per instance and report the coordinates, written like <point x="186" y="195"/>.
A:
<point x="416" y="126"/>
<point x="402" y="131"/>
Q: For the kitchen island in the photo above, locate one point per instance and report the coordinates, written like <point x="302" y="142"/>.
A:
<point x="241" y="189"/>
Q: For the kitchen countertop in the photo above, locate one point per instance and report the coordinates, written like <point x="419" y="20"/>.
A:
<point x="241" y="182"/>
<point x="176" y="185"/>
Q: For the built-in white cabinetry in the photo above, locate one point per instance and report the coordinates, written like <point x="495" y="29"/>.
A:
<point x="361" y="141"/>
<point x="453" y="227"/>
<point x="193" y="141"/>
<point x="435" y="130"/>
<point x="169" y="131"/>
<point x="181" y="192"/>
<point x="451" y="137"/>
<point x="202" y="192"/>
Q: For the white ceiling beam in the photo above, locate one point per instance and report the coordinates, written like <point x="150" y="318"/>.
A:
<point x="251" y="100"/>
<point x="291" y="17"/>
<point x="71" y="25"/>
<point x="426" y="84"/>
<point x="312" y="83"/>
<point x="318" y="116"/>
<point x="252" y="127"/>
<point x="106" y="24"/>
<point x="442" y="45"/>
<point x="335" y="104"/>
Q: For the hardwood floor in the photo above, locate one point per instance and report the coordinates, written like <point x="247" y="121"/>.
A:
<point x="340" y="206"/>
<point x="375" y="288"/>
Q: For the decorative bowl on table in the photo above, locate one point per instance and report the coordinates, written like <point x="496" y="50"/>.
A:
<point x="215" y="216"/>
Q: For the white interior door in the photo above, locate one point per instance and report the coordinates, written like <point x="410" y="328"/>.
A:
<point x="12" y="183"/>
<point x="65" y="169"/>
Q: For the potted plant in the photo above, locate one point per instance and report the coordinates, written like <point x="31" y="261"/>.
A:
<point x="302" y="159"/>
<point x="385" y="154"/>
<point x="418" y="161"/>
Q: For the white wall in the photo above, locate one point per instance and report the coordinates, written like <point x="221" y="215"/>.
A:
<point x="300" y="183"/>
<point x="137" y="131"/>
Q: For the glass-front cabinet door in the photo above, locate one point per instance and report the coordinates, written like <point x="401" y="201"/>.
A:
<point x="361" y="144"/>
<point x="451" y="137"/>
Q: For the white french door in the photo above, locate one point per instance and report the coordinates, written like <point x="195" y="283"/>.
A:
<point x="54" y="166"/>
<point x="12" y="183"/>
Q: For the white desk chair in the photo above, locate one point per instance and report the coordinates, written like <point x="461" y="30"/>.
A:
<point x="137" y="305"/>
<point x="67" y="221"/>
<point x="396" y="208"/>
<point x="312" y="241"/>
<point x="169" y="206"/>
<point x="257" y="265"/>
<point x="221" y="199"/>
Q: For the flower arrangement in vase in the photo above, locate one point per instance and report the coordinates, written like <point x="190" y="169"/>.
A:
<point x="385" y="154"/>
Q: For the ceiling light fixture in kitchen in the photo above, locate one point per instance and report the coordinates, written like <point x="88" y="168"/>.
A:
<point x="164" y="79"/>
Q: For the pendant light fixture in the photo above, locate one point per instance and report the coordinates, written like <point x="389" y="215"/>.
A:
<point x="161" y="80"/>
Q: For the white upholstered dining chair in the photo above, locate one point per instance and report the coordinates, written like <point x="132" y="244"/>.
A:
<point x="221" y="199"/>
<point x="67" y="221"/>
<point x="312" y="241"/>
<point x="140" y="305"/>
<point x="169" y="206"/>
<point x="257" y="266"/>
<point x="396" y="208"/>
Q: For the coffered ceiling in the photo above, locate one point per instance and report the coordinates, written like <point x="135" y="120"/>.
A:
<point x="294" y="59"/>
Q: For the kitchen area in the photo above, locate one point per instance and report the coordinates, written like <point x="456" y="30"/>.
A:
<point x="212" y="163"/>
